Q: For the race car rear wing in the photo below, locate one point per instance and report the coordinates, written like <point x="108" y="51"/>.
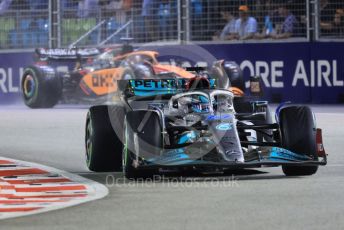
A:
<point x="45" y="54"/>
<point x="196" y="69"/>
<point x="158" y="86"/>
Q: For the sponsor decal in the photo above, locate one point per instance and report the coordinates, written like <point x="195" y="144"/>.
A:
<point x="106" y="80"/>
<point x="224" y="126"/>
<point x="154" y="84"/>
<point x="151" y="84"/>
<point x="219" y="117"/>
<point x="10" y="80"/>
<point x="68" y="52"/>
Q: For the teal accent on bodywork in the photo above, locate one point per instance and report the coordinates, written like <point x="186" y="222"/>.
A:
<point x="175" y="156"/>
<point x="284" y="154"/>
<point x="212" y="82"/>
<point x="154" y="93"/>
<point x="178" y="157"/>
<point x="203" y="99"/>
<point x="190" y="136"/>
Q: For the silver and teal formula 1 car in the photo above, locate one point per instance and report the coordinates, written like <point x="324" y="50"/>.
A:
<point x="169" y="124"/>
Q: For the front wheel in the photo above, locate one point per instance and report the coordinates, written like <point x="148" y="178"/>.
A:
<point x="298" y="132"/>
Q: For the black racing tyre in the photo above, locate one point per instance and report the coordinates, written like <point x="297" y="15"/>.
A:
<point x="128" y="74"/>
<point x="228" y="74"/>
<point x="40" y="91"/>
<point x="143" y="137"/>
<point x="234" y="74"/>
<point x="298" y="134"/>
<point x="103" y="139"/>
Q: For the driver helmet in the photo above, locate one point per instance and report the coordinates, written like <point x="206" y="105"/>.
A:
<point x="201" y="105"/>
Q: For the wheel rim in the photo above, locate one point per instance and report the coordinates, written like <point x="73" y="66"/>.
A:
<point x="89" y="133"/>
<point x="29" y="86"/>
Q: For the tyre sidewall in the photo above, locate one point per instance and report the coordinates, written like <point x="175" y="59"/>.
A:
<point x="298" y="134"/>
<point x="298" y="130"/>
<point x="37" y="99"/>
<point x="106" y="151"/>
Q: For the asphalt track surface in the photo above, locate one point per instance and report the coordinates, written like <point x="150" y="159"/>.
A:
<point x="263" y="199"/>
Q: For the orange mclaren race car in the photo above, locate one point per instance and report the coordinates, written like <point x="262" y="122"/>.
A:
<point x="96" y="72"/>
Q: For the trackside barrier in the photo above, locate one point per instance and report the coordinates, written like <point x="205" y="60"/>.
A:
<point x="298" y="72"/>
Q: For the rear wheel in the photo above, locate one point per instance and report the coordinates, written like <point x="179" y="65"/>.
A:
<point x="298" y="132"/>
<point x="143" y="138"/>
<point x="103" y="139"/>
<point x="38" y="90"/>
<point x="228" y="73"/>
<point x="235" y="75"/>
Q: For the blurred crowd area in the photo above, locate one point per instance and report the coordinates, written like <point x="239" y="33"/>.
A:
<point x="25" y="23"/>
